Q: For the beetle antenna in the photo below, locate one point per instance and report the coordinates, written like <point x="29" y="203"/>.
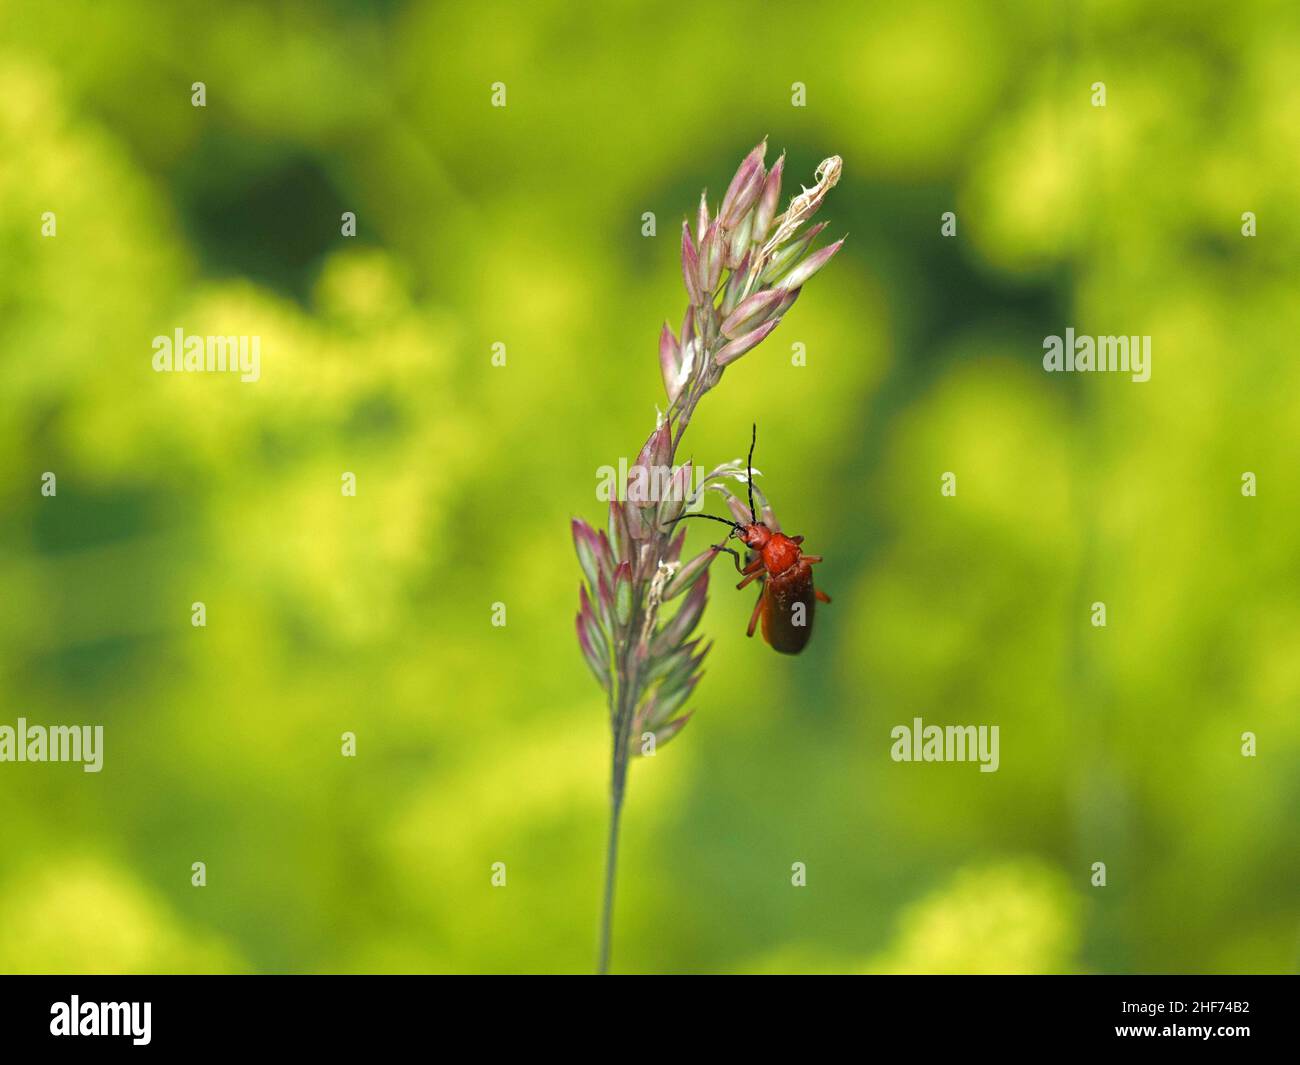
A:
<point x="749" y="473"/>
<point x="730" y="524"/>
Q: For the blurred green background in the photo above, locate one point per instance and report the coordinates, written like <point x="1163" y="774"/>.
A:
<point x="522" y="225"/>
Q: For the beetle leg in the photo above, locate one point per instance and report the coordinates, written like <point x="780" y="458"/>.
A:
<point x="754" y="569"/>
<point x="732" y="552"/>
<point x="810" y="559"/>
<point x="822" y="595"/>
<point x="753" y="618"/>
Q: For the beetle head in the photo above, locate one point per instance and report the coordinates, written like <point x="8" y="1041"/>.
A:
<point x="755" y="535"/>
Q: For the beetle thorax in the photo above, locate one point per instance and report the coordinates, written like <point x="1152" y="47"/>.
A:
<point x="778" y="550"/>
<point x="779" y="553"/>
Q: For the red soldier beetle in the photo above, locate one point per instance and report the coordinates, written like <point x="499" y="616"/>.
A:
<point x="788" y="597"/>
